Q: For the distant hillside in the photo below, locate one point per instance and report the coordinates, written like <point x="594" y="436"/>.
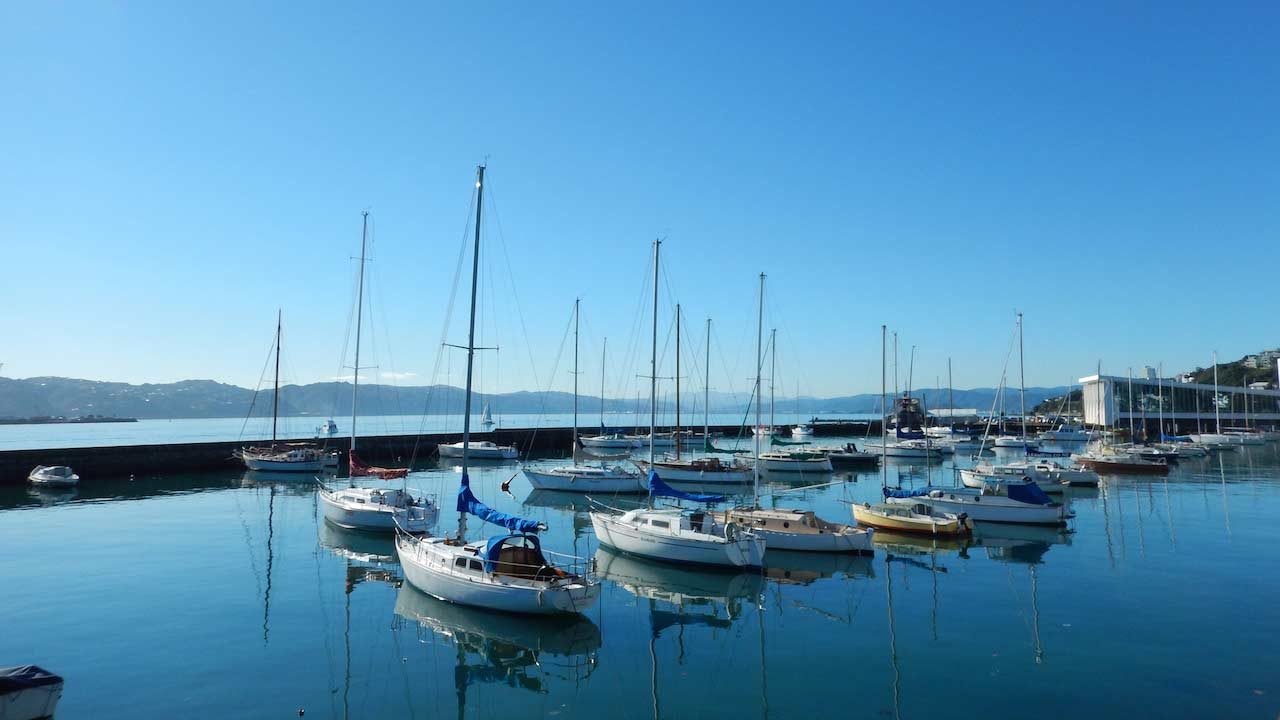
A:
<point x="67" y="397"/>
<point x="1234" y="374"/>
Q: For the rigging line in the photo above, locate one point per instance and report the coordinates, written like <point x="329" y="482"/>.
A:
<point x="511" y="276"/>
<point x="254" y="400"/>
<point x="542" y="405"/>
<point x="444" y="332"/>
<point x="626" y="379"/>
<point x="346" y="342"/>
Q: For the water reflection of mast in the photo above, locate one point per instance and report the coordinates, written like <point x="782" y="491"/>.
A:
<point x="1035" y="616"/>
<point x="266" y="596"/>
<point x="1226" y="510"/>
<point x="893" y="642"/>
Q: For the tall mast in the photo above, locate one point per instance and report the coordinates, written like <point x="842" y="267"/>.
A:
<point x="755" y="466"/>
<point x="895" y="365"/>
<point x="577" y="309"/>
<point x="1160" y="399"/>
<point x="1217" y="414"/>
<point x="275" y="396"/>
<point x="653" y="355"/>
<point x="1022" y="390"/>
<point x="1132" y="437"/>
<point x="676" y="434"/>
<point x="355" y="371"/>
<point x="706" y="390"/>
<point x="471" y="343"/>
<point x="884" y="448"/>
<point x="951" y="398"/>
<point x="603" y="354"/>
<point x="773" y="370"/>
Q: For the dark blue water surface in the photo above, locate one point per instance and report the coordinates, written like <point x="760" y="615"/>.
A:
<point x="228" y="595"/>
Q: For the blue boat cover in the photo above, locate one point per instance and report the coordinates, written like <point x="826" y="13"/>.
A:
<point x="1028" y="493"/>
<point x="910" y="434"/>
<point x="900" y="493"/>
<point x="661" y="489"/>
<point x="494" y="546"/>
<point x="468" y="503"/>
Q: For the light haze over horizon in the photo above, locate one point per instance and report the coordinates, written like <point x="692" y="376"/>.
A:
<point x="173" y="174"/>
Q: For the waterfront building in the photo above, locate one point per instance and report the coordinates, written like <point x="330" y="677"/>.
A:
<point x="1107" y="402"/>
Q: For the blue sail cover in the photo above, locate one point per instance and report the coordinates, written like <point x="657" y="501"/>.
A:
<point x="900" y="493"/>
<point x="1028" y="493"/>
<point x="910" y="434"/>
<point x="661" y="489"/>
<point x="467" y="503"/>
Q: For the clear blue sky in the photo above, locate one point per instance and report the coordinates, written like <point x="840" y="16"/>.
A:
<point x="171" y="173"/>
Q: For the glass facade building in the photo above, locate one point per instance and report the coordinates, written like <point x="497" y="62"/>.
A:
<point x="1110" y="400"/>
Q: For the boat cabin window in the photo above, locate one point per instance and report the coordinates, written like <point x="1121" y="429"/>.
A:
<point x="660" y="523"/>
<point x="460" y="563"/>
<point x="360" y="500"/>
<point x="477" y="566"/>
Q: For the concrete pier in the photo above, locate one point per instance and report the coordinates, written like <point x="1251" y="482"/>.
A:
<point x="127" y="460"/>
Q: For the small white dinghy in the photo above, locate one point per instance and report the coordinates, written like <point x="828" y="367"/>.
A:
<point x="54" y="476"/>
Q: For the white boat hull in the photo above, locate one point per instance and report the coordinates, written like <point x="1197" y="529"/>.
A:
<point x="479" y="453"/>
<point x="568" y="481"/>
<point x="745" y="552"/>
<point x="31" y="703"/>
<point x="733" y="476"/>
<point x="990" y="508"/>
<point x="848" y="542"/>
<point x="818" y="465"/>
<point x="431" y="571"/>
<point x="612" y="443"/>
<point x="376" y="518"/>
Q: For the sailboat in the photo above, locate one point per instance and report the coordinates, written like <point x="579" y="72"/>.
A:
<point x="1022" y="441"/>
<point x="508" y="572"/>
<point x="369" y="508"/>
<point x="285" y="457"/>
<point x="783" y="460"/>
<point x="914" y="519"/>
<point x="791" y="528"/>
<point x="579" y="477"/>
<point x="709" y="470"/>
<point x="486" y="417"/>
<point x="674" y="534"/>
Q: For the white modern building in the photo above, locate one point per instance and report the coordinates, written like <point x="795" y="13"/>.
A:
<point x="1112" y="401"/>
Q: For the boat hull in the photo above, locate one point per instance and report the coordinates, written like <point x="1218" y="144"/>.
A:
<point x="821" y="465"/>
<point x="432" y="573"/>
<point x="676" y="473"/>
<point x="448" y="451"/>
<point x="991" y="508"/>
<point x="914" y="526"/>
<point x="570" y="482"/>
<point x="285" y="466"/>
<point x="373" y="518"/>
<point x="742" y="553"/>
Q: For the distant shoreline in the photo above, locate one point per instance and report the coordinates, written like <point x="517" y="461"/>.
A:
<point x="66" y="420"/>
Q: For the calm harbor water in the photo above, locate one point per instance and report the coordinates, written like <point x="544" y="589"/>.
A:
<point x="193" y="430"/>
<point x="228" y="595"/>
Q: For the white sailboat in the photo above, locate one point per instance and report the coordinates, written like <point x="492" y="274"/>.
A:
<point x="579" y="477"/>
<point x="702" y="470"/>
<point x="478" y="450"/>
<point x="782" y="460"/>
<point x="674" y="534"/>
<point x="508" y="572"/>
<point x="285" y="457"/>
<point x="371" y="508"/>
<point x="791" y="528"/>
<point x="486" y="417"/>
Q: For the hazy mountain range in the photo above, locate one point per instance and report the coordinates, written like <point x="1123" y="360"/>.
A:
<point x="67" y="397"/>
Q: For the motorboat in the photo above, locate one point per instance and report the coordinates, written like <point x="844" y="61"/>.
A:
<point x="288" y="457"/>
<point x="1066" y="433"/>
<point x="983" y="473"/>
<point x="916" y="449"/>
<point x="704" y="470"/>
<point x="507" y="572"/>
<point x="1213" y="439"/>
<point x="59" y="476"/>
<point x="28" y="692"/>
<point x="1075" y="474"/>
<point x="479" y="450"/>
<point x="916" y="519"/>
<point x="1015" y="441"/>
<point x="848" y="457"/>
<point x="802" y="430"/>
<point x="609" y="441"/>
<point x="585" y="479"/>
<point x="794" y="461"/>
<point x="1111" y="463"/>
<point x="997" y="501"/>
<point x="377" y="509"/>
<point x="792" y="529"/>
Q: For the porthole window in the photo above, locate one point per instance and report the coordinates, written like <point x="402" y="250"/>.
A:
<point x="786" y="524"/>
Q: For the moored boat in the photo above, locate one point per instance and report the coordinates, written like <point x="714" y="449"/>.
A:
<point x="53" y="476"/>
<point x="917" y="519"/>
<point x="479" y="450"/>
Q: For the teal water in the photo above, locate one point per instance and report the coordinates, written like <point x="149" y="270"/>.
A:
<point x="227" y="595"/>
